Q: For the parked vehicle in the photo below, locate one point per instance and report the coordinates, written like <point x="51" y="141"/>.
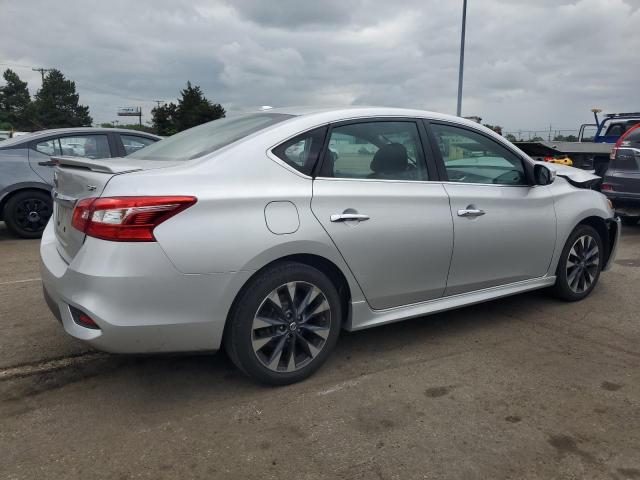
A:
<point x="226" y="234"/>
<point x="562" y="159"/>
<point x="26" y="169"/>
<point x="591" y="151"/>
<point x="621" y="183"/>
<point x="7" y="134"/>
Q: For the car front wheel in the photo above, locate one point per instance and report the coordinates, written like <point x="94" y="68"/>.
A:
<point x="580" y="264"/>
<point x="284" y="324"/>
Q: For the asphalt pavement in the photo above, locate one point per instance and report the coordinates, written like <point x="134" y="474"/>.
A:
<point x="525" y="387"/>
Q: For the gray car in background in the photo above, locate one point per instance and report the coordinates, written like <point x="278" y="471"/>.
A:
<point x="26" y="169"/>
<point x="621" y="182"/>
<point x="271" y="232"/>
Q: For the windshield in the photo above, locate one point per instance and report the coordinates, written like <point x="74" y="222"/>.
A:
<point x="208" y="137"/>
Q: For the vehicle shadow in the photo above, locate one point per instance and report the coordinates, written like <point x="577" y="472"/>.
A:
<point x="4" y="233"/>
<point x="165" y="381"/>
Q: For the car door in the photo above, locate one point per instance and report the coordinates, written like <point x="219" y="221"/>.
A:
<point x="76" y="145"/>
<point x="504" y="227"/>
<point x="392" y="225"/>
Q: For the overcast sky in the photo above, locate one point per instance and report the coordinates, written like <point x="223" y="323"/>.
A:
<point x="529" y="63"/>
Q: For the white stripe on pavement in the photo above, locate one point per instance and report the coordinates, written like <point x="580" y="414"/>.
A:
<point x="21" y="281"/>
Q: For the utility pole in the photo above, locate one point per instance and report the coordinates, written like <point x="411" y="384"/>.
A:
<point x="461" y="68"/>
<point x="42" y="71"/>
<point x="159" y="102"/>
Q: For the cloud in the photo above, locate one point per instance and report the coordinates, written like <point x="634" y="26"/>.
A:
<point x="528" y="64"/>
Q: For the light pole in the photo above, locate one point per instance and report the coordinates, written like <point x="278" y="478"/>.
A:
<point x="461" y="68"/>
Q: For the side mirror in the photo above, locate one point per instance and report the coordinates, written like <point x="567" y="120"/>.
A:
<point x="542" y="175"/>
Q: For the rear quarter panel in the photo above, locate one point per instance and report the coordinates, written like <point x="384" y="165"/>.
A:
<point x="16" y="174"/>
<point x="226" y="230"/>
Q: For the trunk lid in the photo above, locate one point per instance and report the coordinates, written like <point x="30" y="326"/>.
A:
<point x="76" y="178"/>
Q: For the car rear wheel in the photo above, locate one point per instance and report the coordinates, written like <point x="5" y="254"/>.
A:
<point x="284" y="324"/>
<point x="580" y="264"/>
<point x="27" y="213"/>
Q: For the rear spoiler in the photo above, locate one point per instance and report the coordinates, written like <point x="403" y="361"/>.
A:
<point x="111" y="165"/>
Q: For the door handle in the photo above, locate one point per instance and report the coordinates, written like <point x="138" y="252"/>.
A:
<point x="341" y="217"/>
<point x="471" y="212"/>
<point x="48" y="163"/>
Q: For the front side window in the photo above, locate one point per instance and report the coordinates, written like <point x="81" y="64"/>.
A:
<point x="302" y="151"/>
<point x="89" y="146"/>
<point x="470" y="157"/>
<point x="133" y="143"/>
<point x="375" y="150"/>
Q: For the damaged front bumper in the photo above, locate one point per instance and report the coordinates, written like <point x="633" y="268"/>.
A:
<point x="614" y="226"/>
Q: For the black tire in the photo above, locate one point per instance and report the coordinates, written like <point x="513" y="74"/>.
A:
<point x="563" y="288"/>
<point x="240" y="332"/>
<point x="629" y="221"/>
<point x="26" y="213"/>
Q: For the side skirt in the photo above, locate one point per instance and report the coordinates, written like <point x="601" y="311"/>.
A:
<point x="362" y="316"/>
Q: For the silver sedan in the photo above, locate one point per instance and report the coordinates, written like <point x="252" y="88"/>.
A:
<point x="271" y="232"/>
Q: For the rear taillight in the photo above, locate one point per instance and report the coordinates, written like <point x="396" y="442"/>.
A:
<point x="126" y="219"/>
<point x="606" y="186"/>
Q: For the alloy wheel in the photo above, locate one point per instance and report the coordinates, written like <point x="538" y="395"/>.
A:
<point x="291" y="326"/>
<point x="583" y="263"/>
<point x="32" y="214"/>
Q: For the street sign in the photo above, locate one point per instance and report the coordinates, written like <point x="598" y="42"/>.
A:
<point x="129" y="112"/>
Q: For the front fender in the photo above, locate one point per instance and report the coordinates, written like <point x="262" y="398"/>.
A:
<point x="573" y="206"/>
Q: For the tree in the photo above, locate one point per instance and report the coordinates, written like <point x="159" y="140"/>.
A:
<point x="15" y="102"/>
<point x="130" y="126"/>
<point x="511" y="137"/>
<point x="164" y="119"/>
<point x="495" y="128"/>
<point x="56" y="103"/>
<point x="194" y="109"/>
<point x="562" y="138"/>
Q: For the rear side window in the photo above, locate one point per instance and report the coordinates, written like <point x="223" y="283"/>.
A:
<point x="302" y="152"/>
<point x="133" y="143"/>
<point x="49" y="147"/>
<point x="89" y="146"/>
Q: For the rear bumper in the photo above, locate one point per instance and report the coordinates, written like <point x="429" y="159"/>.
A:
<point x="141" y="303"/>
<point x="614" y="225"/>
<point x="624" y="204"/>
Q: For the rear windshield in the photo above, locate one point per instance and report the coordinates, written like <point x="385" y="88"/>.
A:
<point x="632" y="138"/>
<point x="208" y="137"/>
